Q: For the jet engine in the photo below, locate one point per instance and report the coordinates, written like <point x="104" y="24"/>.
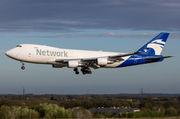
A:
<point x="72" y="64"/>
<point x="102" y="61"/>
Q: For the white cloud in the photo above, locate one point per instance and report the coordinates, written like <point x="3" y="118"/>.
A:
<point x="169" y="4"/>
<point x="71" y="16"/>
<point x="104" y="35"/>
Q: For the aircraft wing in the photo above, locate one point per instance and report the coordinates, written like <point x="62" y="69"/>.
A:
<point x="95" y="58"/>
<point x="123" y="55"/>
<point x="91" y="62"/>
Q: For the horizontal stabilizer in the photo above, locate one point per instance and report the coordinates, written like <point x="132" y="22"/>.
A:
<point x="157" y="58"/>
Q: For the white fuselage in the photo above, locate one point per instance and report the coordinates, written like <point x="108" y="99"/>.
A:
<point x="48" y="55"/>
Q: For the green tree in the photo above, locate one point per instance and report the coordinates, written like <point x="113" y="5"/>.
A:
<point x="54" y="111"/>
<point x="127" y="105"/>
<point x="131" y="115"/>
<point x="148" y="105"/>
<point x="108" y="114"/>
<point x="118" y="104"/>
<point x="150" y="99"/>
<point x="169" y="104"/>
<point x="18" y="112"/>
<point x="83" y="113"/>
<point x="162" y="112"/>
<point x="171" y="111"/>
<point x="3" y="112"/>
<point x="88" y="104"/>
<point x="138" y="114"/>
<point x="98" y="116"/>
<point x="28" y="113"/>
<point x="178" y="112"/>
<point x="14" y="112"/>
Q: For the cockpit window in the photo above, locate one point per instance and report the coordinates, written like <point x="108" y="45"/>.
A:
<point x="19" y="46"/>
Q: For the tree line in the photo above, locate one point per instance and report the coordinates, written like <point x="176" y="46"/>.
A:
<point x="65" y="107"/>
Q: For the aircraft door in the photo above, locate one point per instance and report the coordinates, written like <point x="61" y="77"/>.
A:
<point x="29" y="56"/>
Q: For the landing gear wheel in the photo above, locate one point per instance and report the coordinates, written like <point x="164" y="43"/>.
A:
<point x="84" y="73"/>
<point x="86" y="70"/>
<point x="76" y="71"/>
<point x="23" y="67"/>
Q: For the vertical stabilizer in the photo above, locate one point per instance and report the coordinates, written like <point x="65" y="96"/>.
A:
<point x="156" y="45"/>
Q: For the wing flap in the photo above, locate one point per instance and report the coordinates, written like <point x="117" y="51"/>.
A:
<point x="119" y="57"/>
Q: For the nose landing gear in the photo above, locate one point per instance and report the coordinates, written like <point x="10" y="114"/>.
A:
<point x="23" y="67"/>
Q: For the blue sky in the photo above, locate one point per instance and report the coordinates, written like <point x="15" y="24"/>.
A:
<point x="122" y="26"/>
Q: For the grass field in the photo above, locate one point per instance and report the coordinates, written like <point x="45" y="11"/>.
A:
<point x="105" y="118"/>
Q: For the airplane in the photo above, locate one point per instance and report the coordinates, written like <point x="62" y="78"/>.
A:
<point x="58" y="58"/>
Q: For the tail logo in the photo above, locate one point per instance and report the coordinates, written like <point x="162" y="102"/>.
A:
<point x="157" y="45"/>
<point x="160" y="42"/>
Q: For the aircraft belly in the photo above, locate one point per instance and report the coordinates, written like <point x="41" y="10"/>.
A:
<point x="112" y="65"/>
<point x="116" y="64"/>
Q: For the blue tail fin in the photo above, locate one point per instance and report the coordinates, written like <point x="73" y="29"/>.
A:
<point x="156" y="45"/>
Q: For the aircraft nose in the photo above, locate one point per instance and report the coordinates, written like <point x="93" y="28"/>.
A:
<point x="10" y="53"/>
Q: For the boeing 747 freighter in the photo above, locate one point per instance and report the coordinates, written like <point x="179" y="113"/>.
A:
<point x="85" y="59"/>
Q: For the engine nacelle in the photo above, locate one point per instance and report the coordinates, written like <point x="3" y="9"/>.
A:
<point x="72" y="64"/>
<point x="102" y="61"/>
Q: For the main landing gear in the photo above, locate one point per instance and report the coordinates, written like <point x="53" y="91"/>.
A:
<point x="84" y="70"/>
<point x="23" y="67"/>
<point x="76" y="70"/>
